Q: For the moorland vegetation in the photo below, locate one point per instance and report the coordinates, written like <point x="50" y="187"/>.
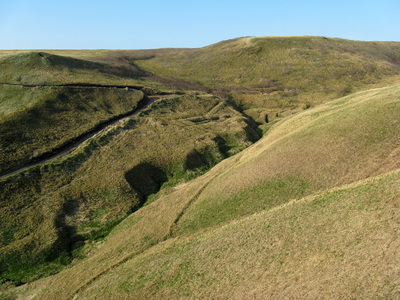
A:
<point x="253" y="167"/>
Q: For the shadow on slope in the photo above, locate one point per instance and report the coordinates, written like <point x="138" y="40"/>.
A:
<point x="146" y="179"/>
<point x="58" y="116"/>
<point x="110" y="176"/>
<point x="337" y="143"/>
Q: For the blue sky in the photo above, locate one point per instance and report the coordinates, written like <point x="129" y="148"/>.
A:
<point x="145" y="24"/>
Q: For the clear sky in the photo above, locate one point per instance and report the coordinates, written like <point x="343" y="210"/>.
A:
<point x="145" y="24"/>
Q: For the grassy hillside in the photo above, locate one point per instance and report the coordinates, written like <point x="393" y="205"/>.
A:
<point x="232" y="233"/>
<point x="273" y="75"/>
<point x="57" y="211"/>
<point x="341" y="243"/>
<point x="79" y="54"/>
<point x="340" y="142"/>
<point x="67" y="67"/>
<point x="36" y="120"/>
<point x="311" y="205"/>
<point x="47" y="101"/>
<point x="36" y="68"/>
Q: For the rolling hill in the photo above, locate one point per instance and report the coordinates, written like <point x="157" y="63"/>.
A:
<point x="42" y="68"/>
<point x="184" y="198"/>
<point x="278" y="219"/>
<point x="273" y="75"/>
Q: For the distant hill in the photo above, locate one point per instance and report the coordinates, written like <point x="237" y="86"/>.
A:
<point x="276" y="74"/>
<point x="37" y="68"/>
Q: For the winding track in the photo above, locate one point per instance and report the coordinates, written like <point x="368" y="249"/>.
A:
<point x="71" y="145"/>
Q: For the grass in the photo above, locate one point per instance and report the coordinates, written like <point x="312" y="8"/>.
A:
<point x="225" y="207"/>
<point x="274" y="76"/>
<point x="39" y="120"/>
<point x="79" y="54"/>
<point x="35" y="68"/>
<point x="87" y="192"/>
<point x="237" y="231"/>
<point x="52" y="67"/>
<point x="278" y="75"/>
<point x="14" y="98"/>
<point x="340" y="142"/>
<point x="336" y="244"/>
<point x="240" y="225"/>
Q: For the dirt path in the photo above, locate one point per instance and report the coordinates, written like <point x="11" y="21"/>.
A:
<point x="71" y="145"/>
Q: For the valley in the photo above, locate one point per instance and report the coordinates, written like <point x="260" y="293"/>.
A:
<point x="251" y="168"/>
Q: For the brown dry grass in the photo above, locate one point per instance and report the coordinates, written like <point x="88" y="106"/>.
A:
<point x="338" y="143"/>
<point x="341" y="243"/>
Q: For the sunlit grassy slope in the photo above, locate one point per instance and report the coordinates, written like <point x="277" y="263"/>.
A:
<point x="339" y="142"/>
<point x="275" y="74"/>
<point x="341" y="243"/>
<point x="236" y="232"/>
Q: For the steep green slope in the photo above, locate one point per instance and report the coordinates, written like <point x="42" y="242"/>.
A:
<point x="35" y="121"/>
<point x="272" y="75"/>
<point x="233" y="224"/>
